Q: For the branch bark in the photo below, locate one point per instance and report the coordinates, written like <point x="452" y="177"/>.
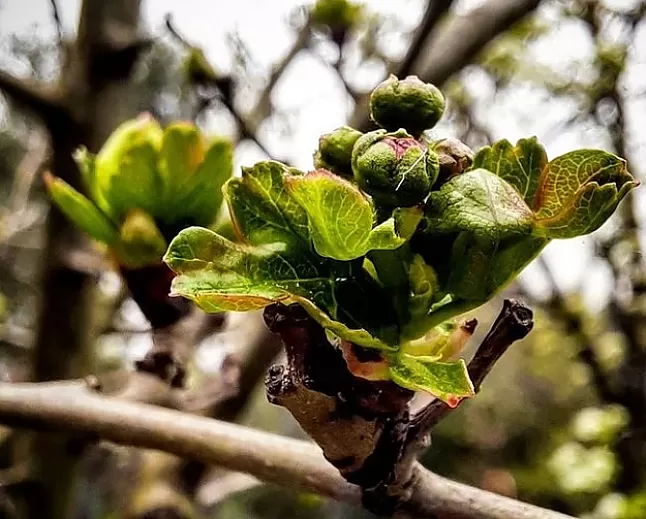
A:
<point x="458" y="43"/>
<point x="71" y="407"/>
<point x="41" y="100"/>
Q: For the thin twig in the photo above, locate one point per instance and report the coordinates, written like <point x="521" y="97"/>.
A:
<point x="248" y="129"/>
<point x="57" y="22"/>
<point x="44" y="101"/>
<point x="263" y="107"/>
<point x="435" y="10"/>
<point x="70" y="406"/>
<point x="513" y="323"/>
<point x="458" y="42"/>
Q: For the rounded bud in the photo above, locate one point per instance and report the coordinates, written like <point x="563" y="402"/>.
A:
<point x="455" y="158"/>
<point x="394" y="168"/>
<point x="335" y="151"/>
<point x="408" y="103"/>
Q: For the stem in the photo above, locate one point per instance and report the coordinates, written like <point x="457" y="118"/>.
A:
<point x="296" y="464"/>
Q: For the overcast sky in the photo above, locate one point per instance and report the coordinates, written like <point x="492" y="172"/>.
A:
<point x="317" y="103"/>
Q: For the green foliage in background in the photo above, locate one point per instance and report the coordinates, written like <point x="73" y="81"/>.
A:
<point x="145" y="185"/>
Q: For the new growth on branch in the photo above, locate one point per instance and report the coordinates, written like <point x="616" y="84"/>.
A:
<point x="365" y="265"/>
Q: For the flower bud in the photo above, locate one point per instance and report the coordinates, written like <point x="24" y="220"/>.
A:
<point x="409" y="103"/>
<point x="455" y="157"/>
<point x="394" y="168"/>
<point x="335" y="151"/>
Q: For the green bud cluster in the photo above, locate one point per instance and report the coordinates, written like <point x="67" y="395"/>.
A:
<point x="144" y="185"/>
<point x="394" y="165"/>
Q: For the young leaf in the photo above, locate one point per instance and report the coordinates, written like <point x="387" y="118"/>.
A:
<point x="479" y="202"/>
<point x="481" y="267"/>
<point x="202" y="197"/>
<point x="220" y="275"/>
<point x="340" y="216"/>
<point x="423" y="286"/>
<point x="448" y="381"/>
<point x="263" y="211"/>
<point x="126" y="168"/>
<point x="520" y="165"/>
<point x="80" y="210"/>
<point x="86" y="163"/>
<point x="444" y="342"/>
<point x="182" y="151"/>
<point x="579" y="191"/>
<point x="357" y="336"/>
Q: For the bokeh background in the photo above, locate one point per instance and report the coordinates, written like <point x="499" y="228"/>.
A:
<point x="560" y="422"/>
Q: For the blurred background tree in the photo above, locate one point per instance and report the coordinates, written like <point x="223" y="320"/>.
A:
<point x="561" y="422"/>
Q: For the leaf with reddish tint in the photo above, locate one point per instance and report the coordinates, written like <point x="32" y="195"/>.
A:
<point x="521" y="165"/>
<point x="220" y="275"/>
<point x="579" y="191"/>
<point x="448" y="381"/>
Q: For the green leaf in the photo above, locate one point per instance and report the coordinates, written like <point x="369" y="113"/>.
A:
<point x="81" y="211"/>
<point x="442" y="343"/>
<point x="341" y="217"/>
<point x="478" y="202"/>
<point x="521" y="165"/>
<point x="126" y="168"/>
<point x="481" y="267"/>
<point x="86" y="163"/>
<point x="357" y="336"/>
<point x="200" y="199"/>
<point x="475" y="269"/>
<point x="511" y="257"/>
<point x="263" y="211"/>
<point x="220" y="275"/>
<point x="423" y="286"/>
<point x="182" y="151"/>
<point x="448" y="381"/>
<point x="579" y="191"/>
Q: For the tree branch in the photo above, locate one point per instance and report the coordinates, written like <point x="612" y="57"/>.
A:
<point x="248" y="129"/>
<point x="263" y="107"/>
<point x="45" y="102"/>
<point x="459" y="41"/>
<point x="435" y="9"/>
<point x="512" y="324"/>
<point x="70" y="406"/>
<point x="57" y="22"/>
